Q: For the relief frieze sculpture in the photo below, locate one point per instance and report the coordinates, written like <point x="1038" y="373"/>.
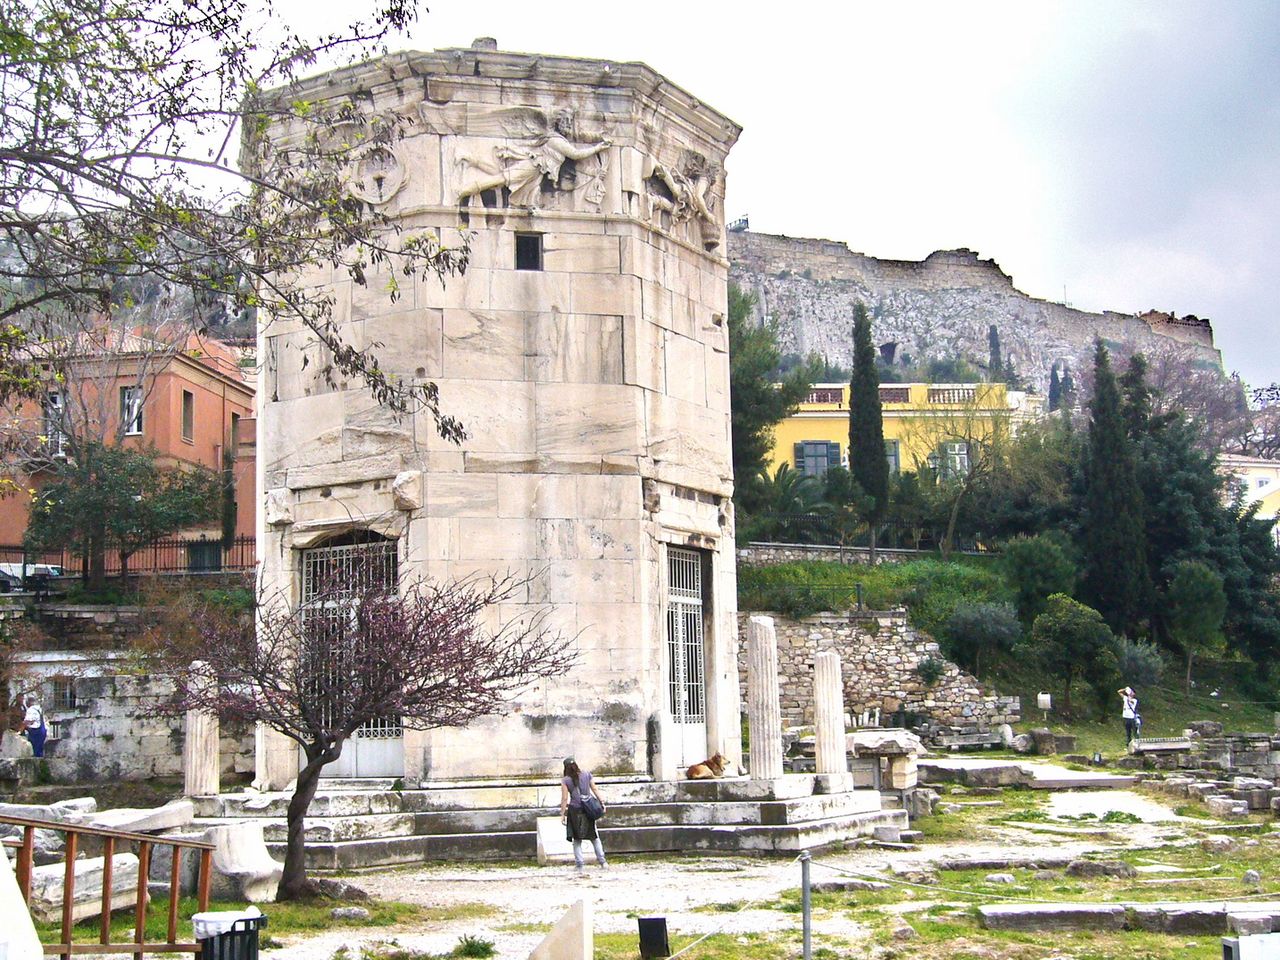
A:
<point x="682" y="193"/>
<point x="377" y="175"/>
<point x="540" y="161"/>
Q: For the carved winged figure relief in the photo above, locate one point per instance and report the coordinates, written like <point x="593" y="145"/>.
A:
<point x="536" y="150"/>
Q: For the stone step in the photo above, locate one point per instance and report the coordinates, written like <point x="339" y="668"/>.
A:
<point x="436" y="823"/>
<point x="356" y="784"/>
<point x="742" y="838"/>
<point x="502" y="796"/>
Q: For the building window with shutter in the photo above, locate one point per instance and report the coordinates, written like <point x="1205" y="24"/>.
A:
<point x="131" y="410"/>
<point x="891" y="454"/>
<point x="953" y="459"/>
<point x="188" y="416"/>
<point x="813" y="458"/>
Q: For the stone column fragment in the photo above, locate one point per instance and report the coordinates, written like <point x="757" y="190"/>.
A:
<point x="200" y="760"/>
<point x="828" y="714"/>
<point x="764" y="714"/>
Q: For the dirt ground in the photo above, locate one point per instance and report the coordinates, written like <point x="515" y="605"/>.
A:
<point x="744" y="896"/>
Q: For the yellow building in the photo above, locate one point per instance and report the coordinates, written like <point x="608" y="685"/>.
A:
<point x="925" y="424"/>
<point x="1258" y="481"/>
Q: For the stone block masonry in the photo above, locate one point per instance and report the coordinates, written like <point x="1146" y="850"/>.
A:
<point x="113" y="731"/>
<point x="880" y="656"/>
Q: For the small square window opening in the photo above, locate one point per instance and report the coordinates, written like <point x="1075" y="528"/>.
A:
<point x="528" y="251"/>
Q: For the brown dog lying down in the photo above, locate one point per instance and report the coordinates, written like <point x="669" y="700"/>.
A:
<point x="707" y="769"/>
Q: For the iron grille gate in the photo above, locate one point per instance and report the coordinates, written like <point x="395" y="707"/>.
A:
<point x="686" y="682"/>
<point x="330" y="575"/>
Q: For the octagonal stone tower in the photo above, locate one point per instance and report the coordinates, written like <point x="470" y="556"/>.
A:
<point x="585" y="352"/>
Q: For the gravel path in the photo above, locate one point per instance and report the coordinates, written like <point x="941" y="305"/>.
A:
<point x="673" y="887"/>
<point x="685" y="889"/>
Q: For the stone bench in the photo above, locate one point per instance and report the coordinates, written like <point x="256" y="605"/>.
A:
<point x="1160" y="745"/>
<point x="1053" y="916"/>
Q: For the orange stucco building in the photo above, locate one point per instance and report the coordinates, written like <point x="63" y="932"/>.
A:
<point x="190" y="407"/>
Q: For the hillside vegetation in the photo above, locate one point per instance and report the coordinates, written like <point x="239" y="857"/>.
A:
<point x="1227" y="690"/>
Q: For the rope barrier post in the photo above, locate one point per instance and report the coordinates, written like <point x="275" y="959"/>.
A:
<point x="806" y="904"/>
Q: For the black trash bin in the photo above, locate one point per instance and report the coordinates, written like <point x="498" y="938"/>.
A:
<point x="238" y="943"/>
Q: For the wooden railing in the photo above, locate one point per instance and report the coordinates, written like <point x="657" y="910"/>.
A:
<point x="145" y="842"/>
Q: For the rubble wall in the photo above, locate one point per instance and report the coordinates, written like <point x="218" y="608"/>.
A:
<point x="880" y="657"/>
<point x="113" y="731"/>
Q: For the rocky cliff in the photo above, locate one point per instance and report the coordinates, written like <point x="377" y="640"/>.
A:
<point x="939" y="307"/>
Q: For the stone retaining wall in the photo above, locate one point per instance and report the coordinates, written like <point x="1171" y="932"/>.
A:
<point x="114" y="731"/>
<point x="880" y="654"/>
<point x="769" y="554"/>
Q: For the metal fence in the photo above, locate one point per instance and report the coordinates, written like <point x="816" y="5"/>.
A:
<point x="830" y="530"/>
<point x="170" y="555"/>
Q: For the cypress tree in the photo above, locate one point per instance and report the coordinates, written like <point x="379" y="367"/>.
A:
<point x="1117" y="581"/>
<point x="867" y="460"/>
<point x="995" y="366"/>
<point x="1137" y="398"/>
<point x="1055" y="389"/>
<point x="1067" y="396"/>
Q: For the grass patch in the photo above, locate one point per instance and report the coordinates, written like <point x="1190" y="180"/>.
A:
<point x="931" y="588"/>
<point x="282" y="918"/>
<point x="720" y="946"/>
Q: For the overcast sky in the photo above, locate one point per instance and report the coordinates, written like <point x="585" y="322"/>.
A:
<point x="1123" y="154"/>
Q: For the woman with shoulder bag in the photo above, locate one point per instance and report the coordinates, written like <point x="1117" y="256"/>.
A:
<point x="580" y="808"/>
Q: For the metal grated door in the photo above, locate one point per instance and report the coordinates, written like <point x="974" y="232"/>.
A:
<point x="341" y="571"/>
<point x="686" y="681"/>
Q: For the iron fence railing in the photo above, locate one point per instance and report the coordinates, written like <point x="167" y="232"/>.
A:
<point x="830" y="530"/>
<point x="169" y="555"/>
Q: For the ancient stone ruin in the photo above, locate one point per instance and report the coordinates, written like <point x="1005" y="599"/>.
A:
<point x="585" y="352"/>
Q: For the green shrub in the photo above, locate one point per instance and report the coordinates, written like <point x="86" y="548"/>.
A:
<point x="931" y="670"/>
<point x="975" y="632"/>
<point x="1140" y="663"/>
<point x="931" y="588"/>
<point x="470" y="946"/>
<point x="1035" y="568"/>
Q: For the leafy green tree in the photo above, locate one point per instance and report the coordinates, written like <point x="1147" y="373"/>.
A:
<point x="975" y="632"/>
<point x="846" y="504"/>
<point x="1073" y="642"/>
<point x="1055" y="389"/>
<point x="995" y="364"/>
<point x="117" y="498"/>
<point x="1036" y="568"/>
<point x="951" y="370"/>
<point x="1197" y="605"/>
<point x="867" y="461"/>
<point x="1030" y="486"/>
<point x="1113" y="536"/>
<point x="758" y="404"/>
<point x="133" y="153"/>
<point x="788" y="504"/>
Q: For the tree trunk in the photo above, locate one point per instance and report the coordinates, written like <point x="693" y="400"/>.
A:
<point x="1066" y="694"/>
<point x="97" y="548"/>
<point x="293" y="881"/>
<point x="949" y="538"/>
<point x="1190" y="657"/>
<point x="871" y="542"/>
<point x="124" y="570"/>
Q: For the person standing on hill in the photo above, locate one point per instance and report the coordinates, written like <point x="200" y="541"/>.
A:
<point x="1129" y="713"/>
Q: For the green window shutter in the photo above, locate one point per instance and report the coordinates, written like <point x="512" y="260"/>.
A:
<point x="798" y="456"/>
<point x="833" y="455"/>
